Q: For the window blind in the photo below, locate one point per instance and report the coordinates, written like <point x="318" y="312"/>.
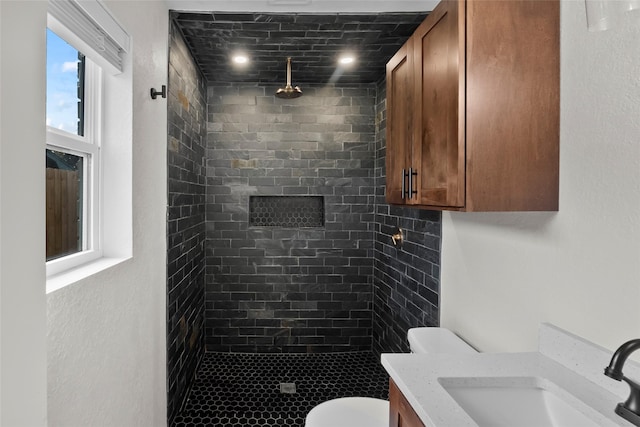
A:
<point x="94" y="26"/>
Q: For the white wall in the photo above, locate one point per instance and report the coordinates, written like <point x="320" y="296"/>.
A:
<point x="579" y="268"/>
<point x="105" y="336"/>
<point x="22" y="180"/>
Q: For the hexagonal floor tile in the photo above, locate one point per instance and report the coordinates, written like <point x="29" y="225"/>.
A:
<point x="241" y="389"/>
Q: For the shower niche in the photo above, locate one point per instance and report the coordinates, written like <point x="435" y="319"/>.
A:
<point x="286" y="211"/>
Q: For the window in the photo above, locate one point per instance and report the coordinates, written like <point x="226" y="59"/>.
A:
<point x="88" y="159"/>
<point x="72" y="154"/>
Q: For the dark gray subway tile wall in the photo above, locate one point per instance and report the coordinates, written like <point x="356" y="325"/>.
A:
<point x="406" y="280"/>
<point x="186" y="221"/>
<point x="272" y="289"/>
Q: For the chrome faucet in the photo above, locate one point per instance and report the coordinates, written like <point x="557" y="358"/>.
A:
<point x="629" y="410"/>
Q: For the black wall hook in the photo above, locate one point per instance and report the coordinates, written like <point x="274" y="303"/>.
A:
<point x="155" y="93"/>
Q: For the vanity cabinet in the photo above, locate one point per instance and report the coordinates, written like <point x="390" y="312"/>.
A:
<point x="473" y="109"/>
<point x="401" y="414"/>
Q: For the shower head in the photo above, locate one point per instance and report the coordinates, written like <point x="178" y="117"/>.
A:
<point x="289" y="92"/>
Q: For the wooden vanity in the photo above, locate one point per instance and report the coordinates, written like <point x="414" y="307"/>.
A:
<point x="401" y="414"/>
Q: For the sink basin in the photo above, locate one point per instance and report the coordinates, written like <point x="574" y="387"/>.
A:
<point x="519" y="401"/>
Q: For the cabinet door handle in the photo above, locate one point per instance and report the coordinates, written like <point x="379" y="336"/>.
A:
<point x="403" y="189"/>
<point x="410" y="183"/>
<point x="412" y="173"/>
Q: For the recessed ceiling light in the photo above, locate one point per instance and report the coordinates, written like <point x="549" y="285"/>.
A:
<point x="346" y="60"/>
<point x="240" y="59"/>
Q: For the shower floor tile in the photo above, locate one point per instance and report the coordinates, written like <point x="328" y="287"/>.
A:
<point x="240" y="389"/>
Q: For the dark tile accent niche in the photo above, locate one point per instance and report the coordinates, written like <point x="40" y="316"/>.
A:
<point x="406" y="280"/>
<point x="286" y="211"/>
<point x="186" y="222"/>
<point x="277" y="289"/>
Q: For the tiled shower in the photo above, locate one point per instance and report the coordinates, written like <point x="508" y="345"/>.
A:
<point x="335" y="286"/>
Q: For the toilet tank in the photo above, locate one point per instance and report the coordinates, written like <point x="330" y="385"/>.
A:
<point x="436" y="340"/>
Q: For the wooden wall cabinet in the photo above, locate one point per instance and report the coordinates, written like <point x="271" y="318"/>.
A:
<point x="473" y="104"/>
<point x="401" y="414"/>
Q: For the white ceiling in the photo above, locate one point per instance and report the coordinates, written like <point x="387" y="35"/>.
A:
<point x="308" y="6"/>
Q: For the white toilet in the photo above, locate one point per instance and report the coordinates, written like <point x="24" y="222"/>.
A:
<point x="370" y="412"/>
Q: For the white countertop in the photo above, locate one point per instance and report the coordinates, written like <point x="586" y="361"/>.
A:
<point x="417" y="376"/>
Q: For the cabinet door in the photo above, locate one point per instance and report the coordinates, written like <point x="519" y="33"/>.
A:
<point x="401" y="414"/>
<point x="399" y="121"/>
<point x="439" y="150"/>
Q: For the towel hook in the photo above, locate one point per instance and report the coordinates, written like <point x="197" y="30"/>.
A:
<point x="155" y="93"/>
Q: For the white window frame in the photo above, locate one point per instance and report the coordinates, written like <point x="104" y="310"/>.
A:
<point x="88" y="147"/>
<point x="91" y="29"/>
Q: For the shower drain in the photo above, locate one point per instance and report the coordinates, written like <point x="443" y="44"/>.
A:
<point x="288" y="388"/>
